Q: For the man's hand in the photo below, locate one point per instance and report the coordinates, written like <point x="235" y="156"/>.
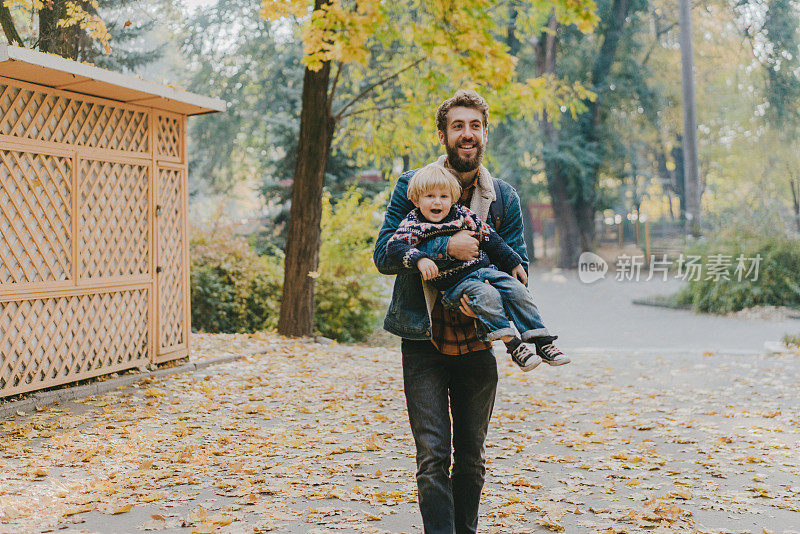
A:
<point x="427" y="268"/>
<point x="519" y="273"/>
<point x="464" y="306"/>
<point x="463" y="246"/>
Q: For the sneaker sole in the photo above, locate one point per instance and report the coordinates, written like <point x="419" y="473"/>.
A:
<point x="531" y="366"/>
<point x="556" y="363"/>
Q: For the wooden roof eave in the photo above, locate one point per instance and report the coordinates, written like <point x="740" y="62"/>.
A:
<point x="64" y="74"/>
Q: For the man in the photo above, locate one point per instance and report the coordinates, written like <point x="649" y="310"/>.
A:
<point x="447" y="369"/>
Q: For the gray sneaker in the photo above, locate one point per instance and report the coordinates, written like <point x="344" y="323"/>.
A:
<point x="525" y="357"/>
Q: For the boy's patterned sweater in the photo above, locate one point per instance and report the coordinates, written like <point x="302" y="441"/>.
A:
<point x="415" y="228"/>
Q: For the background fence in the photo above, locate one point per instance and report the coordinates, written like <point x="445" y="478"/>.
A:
<point x="93" y="253"/>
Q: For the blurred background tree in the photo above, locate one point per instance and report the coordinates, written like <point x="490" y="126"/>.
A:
<point x="83" y="30"/>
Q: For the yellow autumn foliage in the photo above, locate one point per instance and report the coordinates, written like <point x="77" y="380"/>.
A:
<point x="75" y="14"/>
<point x="461" y="38"/>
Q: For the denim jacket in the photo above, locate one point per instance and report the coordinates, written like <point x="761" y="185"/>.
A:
<point x="412" y="299"/>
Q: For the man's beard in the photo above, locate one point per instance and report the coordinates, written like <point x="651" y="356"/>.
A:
<point x="460" y="164"/>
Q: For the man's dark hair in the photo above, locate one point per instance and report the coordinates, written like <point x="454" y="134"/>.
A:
<point x="465" y="99"/>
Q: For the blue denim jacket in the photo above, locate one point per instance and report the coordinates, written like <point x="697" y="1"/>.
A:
<point x="408" y="316"/>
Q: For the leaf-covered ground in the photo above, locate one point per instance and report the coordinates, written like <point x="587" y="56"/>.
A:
<point x="312" y="438"/>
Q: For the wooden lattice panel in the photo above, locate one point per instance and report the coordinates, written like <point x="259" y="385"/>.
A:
<point x="171" y="242"/>
<point x="59" y="118"/>
<point x="46" y="342"/>
<point x="169" y="137"/>
<point x="35" y="217"/>
<point x="114" y="219"/>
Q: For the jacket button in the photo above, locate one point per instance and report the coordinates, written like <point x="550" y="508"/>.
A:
<point x="439" y="256"/>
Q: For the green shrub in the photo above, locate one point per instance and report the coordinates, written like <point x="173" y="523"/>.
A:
<point x="236" y="290"/>
<point x="348" y="290"/>
<point x="214" y="306"/>
<point x="791" y="341"/>
<point x="233" y="288"/>
<point x="778" y="282"/>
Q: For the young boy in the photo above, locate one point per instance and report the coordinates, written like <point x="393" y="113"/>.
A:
<point x="498" y="303"/>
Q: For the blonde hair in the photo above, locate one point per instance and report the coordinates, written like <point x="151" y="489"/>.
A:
<point x="430" y="177"/>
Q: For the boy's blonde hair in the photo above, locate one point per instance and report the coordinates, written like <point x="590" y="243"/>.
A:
<point x="430" y="177"/>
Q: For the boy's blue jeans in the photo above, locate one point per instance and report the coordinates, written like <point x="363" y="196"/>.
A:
<point x="498" y="304"/>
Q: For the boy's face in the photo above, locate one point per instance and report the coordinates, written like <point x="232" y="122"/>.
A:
<point x="435" y="203"/>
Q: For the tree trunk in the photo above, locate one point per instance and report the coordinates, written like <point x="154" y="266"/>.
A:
<point x="51" y="38"/>
<point x="303" y="233"/>
<point x="795" y="186"/>
<point x="666" y="179"/>
<point x="563" y="209"/>
<point x="9" y="28"/>
<point x="65" y="42"/>
<point x="691" y="188"/>
<point x="584" y="217"/>
<point x="586" y="200"/>
<point x="677" y="178"/>
<point x="564" y="212"/>
<point x="671" y="208"/>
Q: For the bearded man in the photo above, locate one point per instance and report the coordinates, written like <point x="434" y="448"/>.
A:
<point x="449" y="372"/>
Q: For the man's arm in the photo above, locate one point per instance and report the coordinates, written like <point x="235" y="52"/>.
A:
<point x="399" y="206"/>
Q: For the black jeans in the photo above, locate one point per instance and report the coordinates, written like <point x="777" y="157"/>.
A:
<point x="437" y="385"/>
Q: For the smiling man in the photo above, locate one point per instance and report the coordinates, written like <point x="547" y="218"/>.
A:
<point x="449" y="372"/>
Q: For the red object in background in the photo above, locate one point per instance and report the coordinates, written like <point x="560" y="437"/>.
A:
<point x="371" y="175"/>
<point x="539" y="212"/>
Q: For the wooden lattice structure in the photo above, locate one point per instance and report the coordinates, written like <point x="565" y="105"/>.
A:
<point x="93" y="244"/>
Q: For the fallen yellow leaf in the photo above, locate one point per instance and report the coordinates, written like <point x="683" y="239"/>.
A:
<point x="78" y="510"/>
<point x="151" y="498"/>
<point x="221" y="520"/>
<point x="123" y="509"/>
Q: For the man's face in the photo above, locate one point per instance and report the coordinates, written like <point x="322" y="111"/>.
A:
<point x="465" y="138"/>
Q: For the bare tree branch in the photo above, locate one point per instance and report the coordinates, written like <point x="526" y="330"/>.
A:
<point x="371" y="108"/>
<point x="369" y="89"/>
<point x="656" y="43"/>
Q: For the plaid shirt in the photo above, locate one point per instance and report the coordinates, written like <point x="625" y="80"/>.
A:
<point x="452" y="332"/>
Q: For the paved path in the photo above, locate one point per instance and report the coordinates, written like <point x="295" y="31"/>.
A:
<point x="602" y="315"/>
<point x="314" y="439"/>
